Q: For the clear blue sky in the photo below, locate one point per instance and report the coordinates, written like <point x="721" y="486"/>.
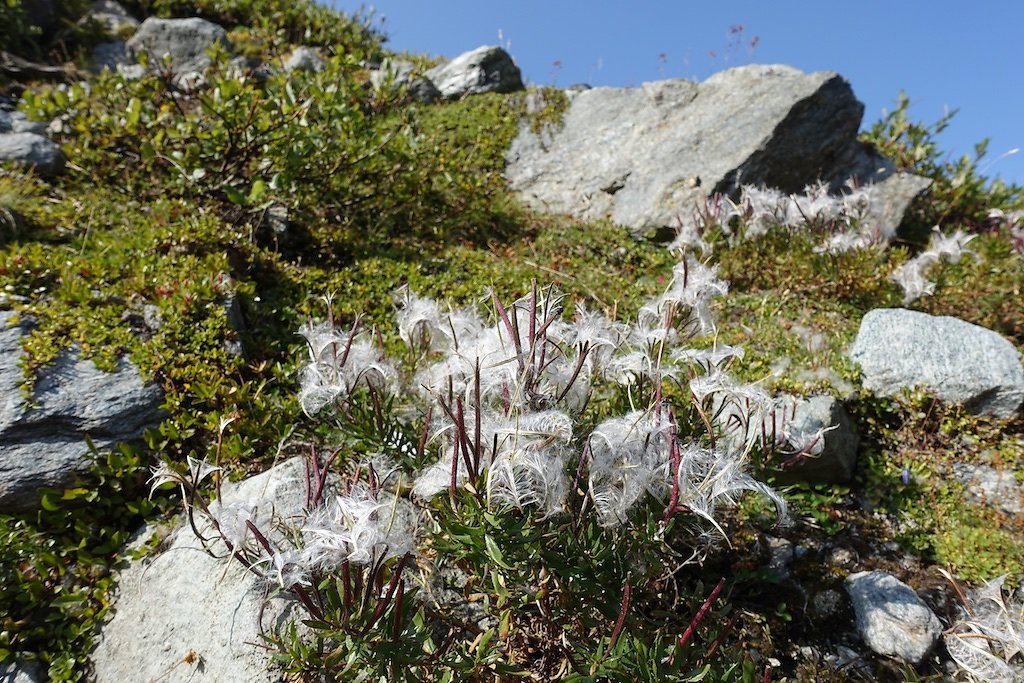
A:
<point x="944" y="54"/>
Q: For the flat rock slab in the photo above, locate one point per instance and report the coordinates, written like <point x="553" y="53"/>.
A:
<point x="959" y="362"/>
<point x="891" y="619"/>
<point x="185" y="40"/>
<point x="645" y="156"/>
<point x="485" y="69"/>
<point x="43" y="444"/>
<point x="183" y="615"/>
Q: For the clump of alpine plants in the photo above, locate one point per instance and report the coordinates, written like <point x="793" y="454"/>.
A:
<point x="912" y="276"/>
<point x="840" y="218"/>
<point x="506" y="397"/>
<point x="356" y="529"/>
<point x="539" y="430"/>
<point x="987" y="642"/>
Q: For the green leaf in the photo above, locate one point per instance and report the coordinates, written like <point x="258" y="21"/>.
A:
<point x="494" y="552"/>
<point x="50" y="501"/>
<point x="259" y="188"/>
<point x="234" y="196"/>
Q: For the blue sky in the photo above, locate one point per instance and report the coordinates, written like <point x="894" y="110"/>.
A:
<point x="944" y="54"/>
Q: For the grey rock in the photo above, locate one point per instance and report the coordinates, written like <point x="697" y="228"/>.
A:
<point x="957" y="361"/>
<point x="485" y="69"/>
<point x="275" y="217"/>
<point x="43" y="445"/>
<point x="780" y="554"/>
<point x="183" y="601"/>
<point x="890" y="191"/>
<point x="891" y="619"/>
<point x="22" y="671"/>
<point x="110" y="55"/>
<point x="17" y="122"/>
<point x="304" y="59"/>
<point x="645" y="156"/>
<point x="32" y="150"/>
<point x="185" y="40"/>
<point x="112" y="16"/>
<point x="998" y="488"/>
<point x="400" y="73"/>
<point x="838" y="440"/>
<point x="828" y="603"/>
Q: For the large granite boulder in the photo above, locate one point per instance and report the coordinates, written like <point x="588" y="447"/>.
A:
<point x="42" y="440"/>
<point x="32" y="150"/>
<point x="182" y="615"/>
<point x="891" y="619"/>
<point x="645" y="157"/>
<point x="185" y="40"/>
<point x="485" y="69"/>
<point x="959" y="362"/>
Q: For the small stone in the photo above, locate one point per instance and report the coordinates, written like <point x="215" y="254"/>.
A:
<point x="891" y="619"/>
<point x="304" y="59"/>
<point x="827" y="603"/>
<point x="820" y="425"/>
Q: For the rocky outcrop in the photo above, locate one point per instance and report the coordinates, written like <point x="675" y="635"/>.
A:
<point x="42" y="439"/>
<point x="185" y="40"/>
<point x="183" y="615"/>
<point x="891" y="619"/>
<point x="34" y="151"/>
<point x="959" y="362"/>
<point x="645" y="157"/>
<point x="485" y="69"/>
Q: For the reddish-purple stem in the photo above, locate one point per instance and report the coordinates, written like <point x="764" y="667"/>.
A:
<point x="423" y="435"/>
<point x="701" y="613"/>
<point x="623" y="611"/>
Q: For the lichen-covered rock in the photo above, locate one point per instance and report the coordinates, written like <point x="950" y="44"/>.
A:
<point x="32" y="150"/>
<point x="43" y="444"/>
<point x="485" y="69"/>
<point x="185" y="40"/>
<point x="182" y="615"/>
<point x="891" y="619"/>
<point x="957" y="361"/>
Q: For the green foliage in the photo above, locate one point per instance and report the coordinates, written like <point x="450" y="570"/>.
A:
<point x="960" y="195"/>
<point x="17" y="34"/>
<point x="55" y="566"/>
<point x="286" y="21"/>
